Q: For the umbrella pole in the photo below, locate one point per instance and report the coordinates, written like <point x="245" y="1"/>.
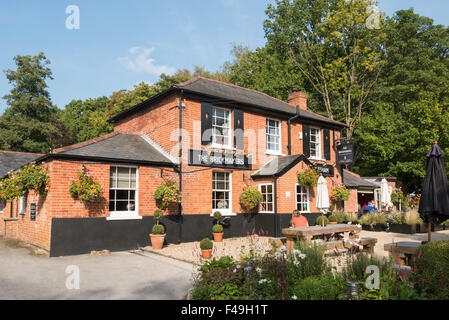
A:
<point x="429" y="232"/>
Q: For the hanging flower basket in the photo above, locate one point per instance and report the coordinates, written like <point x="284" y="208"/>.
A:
<point x="167" y="194"/>
<point x="308" y="178"/>
<point x="85" y="189"/>
<point x="250" y="199"/>
<point x="340" y="193"/>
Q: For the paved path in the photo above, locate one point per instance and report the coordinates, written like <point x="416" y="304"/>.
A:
<point x="119" y="275"/>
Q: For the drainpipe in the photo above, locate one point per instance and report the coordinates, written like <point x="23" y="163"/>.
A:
<point x="275" y="191"/>
<point x="180" y="167"/>
<point x="296" y="116"/>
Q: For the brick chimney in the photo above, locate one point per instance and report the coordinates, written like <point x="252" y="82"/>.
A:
<point x="298" y="98"/>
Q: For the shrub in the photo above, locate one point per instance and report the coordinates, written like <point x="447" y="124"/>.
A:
<point x="217" y="228"/>
<point x="85" y="189"/>
<point x="397" y="218"/>
<point x="430" y="266"/>
<point x="351" y="216"/>
<point x="158" y="229"/>
<point x="325" y="287"/>
<point x="315" y="263"/>
<point x="412" y="217"/>
<point x="340" y="193"/>
<point x="373" y="218"/>
<point x="250" y="199"/>
<point x="158" y="214"/>
<point x="223" y="262"/>
<point x="217" y="215"/>
<point x="308" y="178"/>
<point x="318" y="221"/>
<point x="206" y="244"/>
<point x="167" y="194"/>
<point x="397" y="196"/>
<point x="338" y="216"/>
<point x="333" y="218"/>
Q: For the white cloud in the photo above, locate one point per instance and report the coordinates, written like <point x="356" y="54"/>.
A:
<point x="139" y="60"/>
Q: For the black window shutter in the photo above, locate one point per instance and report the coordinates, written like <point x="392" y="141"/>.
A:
<point x="306" y="140"/>
<point x="327" y="144"/>
<point x="238" y="129"/>
<point x="206" y="123"/>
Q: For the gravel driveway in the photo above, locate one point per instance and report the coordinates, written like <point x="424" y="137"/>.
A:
<point x="118" y="275"/>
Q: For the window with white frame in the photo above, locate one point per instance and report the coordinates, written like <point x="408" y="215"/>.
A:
<point x="2" y="206"/>
<point x="267" y="193"/>
<point x="315" y="143"/>
<point x="221" y="192"/>
<point x="123" y="192"/>
<point x="221" y="127"/>
<point x="273" y="135"/>
<point x="22" y="204"/>
<point x="302" y="198"/>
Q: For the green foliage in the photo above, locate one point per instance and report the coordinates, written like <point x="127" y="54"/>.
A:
<point x="430" y="266"/>
<point x="85" y="189"/>
<point x="167" y="194"/>
<point x="340" y="193"/>
<point x="373" y="218"/>
<point x="26" y="124"/>
<point x="250" y="199"/>
<point x="217" y="215"/>
<point x="223" y="262"/>
<point x="158" y="229"/>
<point x="158" y="214"/>
<point x="333" y="218"/>
<point x="326" y="287"/>
<point x="410" y="217"/>
<point x="206" y="244"/>
<point x="397" y="196"/>
<point x="31" y="177"/>
<point x="217" y="228"/>
<point x="308" y="178"/>
<point x="332" y="44"/>
<point x="318" y="221"/>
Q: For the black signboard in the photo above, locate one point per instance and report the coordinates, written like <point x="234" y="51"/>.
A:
<point x="326" y="171"/>
<point x="33" y="211"/>
<point x="219" y="160"/>
<point x="345" y="153"/>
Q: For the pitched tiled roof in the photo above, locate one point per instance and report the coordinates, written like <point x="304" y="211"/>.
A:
<point x="120" y="146"/>
<point x="229" y="93"/>
<point x="238" y="94"/>
<point x="279" y="165"/>
<point x="353" y="180"/>
<point x="10" y="160"/>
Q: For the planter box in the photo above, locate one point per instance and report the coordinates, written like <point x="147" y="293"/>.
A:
<point x="422" y="228"/>
<point x="437" y="227"/>
<point x="403" y="228"/>
<point x="376" y="227"/>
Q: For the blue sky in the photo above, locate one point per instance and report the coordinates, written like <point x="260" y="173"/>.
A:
<point x="121" y="43"/>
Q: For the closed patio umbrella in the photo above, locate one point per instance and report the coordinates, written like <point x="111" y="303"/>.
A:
<point x="385" y="199"/>
<point x="434" y="203"/>
<point x="322" y="198"/>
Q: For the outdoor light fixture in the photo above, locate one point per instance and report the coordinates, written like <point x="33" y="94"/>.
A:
<point x="352" y="289"/>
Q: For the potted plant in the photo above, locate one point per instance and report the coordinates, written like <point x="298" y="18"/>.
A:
<point x="319" y="220"/>
<point x="167" y="194"/>
<point x="333" y="219"/>
<point x="407" y="222"/>
<point x="158" y="232"/>
<point x="217" y="229"/>
<point x="206" y="246"/>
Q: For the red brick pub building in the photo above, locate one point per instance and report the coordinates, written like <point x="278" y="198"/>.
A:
<point x="214" y="139"/>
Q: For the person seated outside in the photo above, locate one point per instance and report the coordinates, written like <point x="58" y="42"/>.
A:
<point x="370" y="207"/>
<point x="298" y="220"/>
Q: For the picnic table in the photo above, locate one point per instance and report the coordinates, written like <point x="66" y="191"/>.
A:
<point x="307" y="233"/>
<point x="402" y="251"/>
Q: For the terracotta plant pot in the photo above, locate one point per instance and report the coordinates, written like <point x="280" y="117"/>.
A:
<point x="157" y="241"/>
<point x="218" y="237"/>
<point x="206" y="253"/>
<point x="332" y="222"/>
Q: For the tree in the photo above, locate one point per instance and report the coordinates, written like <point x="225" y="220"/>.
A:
<point x="334" y="47"/>
<point x="409" y="108"/>
<point x="26" y="123"/>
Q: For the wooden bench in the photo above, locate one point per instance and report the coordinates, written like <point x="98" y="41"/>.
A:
<point x="402" y="251"/>
<point x="368" y="244"/>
